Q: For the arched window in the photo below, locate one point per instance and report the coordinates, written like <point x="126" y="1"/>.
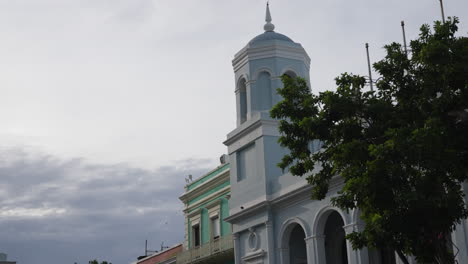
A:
<point x="263" y="94"/>
<point x="290" y="74"/>
<point x="242" y="101"/>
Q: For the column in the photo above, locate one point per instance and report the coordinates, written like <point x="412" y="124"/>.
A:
<point x="270" y="241"/>
<point x="359" y="256"/>
<point x="237" y="259"/>
<point x="315" y="246"/>
<point x="283" y="255"/>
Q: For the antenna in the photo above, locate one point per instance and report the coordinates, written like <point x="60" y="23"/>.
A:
<point x="369" y="67"/>
<point x="163" y="247"/>
<point x="404" y="38"/>
<point x="147" y="250"/>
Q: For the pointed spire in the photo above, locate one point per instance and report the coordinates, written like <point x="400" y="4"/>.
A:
<point x="268" y="26"/>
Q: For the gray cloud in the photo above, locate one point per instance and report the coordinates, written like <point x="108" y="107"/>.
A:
<point x="61" y="211"/>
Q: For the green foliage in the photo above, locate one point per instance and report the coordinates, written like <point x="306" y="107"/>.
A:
<point x="97" y="262"/>
<point x="402" y="150"/>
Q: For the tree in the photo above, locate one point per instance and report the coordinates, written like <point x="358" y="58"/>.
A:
<point x="402" y="150"/>
<point x="95" y="261"/>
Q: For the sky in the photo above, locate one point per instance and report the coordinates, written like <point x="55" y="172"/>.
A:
<point x="107" y="105"/>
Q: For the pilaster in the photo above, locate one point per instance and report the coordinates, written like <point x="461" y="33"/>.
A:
<point x="270" y="241"/>
<point x="311" y="243"/>
<point x="237" y="258"/>
<point x="359" y="256"/>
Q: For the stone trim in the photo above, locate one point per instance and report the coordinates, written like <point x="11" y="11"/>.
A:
<point x="254" y="256"/>
<point x="206" y="186"/>
<point x="221" y="192"/>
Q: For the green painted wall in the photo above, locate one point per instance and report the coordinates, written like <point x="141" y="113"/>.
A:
<point x="189" y="235"/>
<point x="225" y="226"/>
<point x="217" y="188"/>
<point x="205" y="222"/>
<point x="205" y="227"/>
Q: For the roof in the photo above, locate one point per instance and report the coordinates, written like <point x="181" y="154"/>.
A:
<point x="270" y="35"/>
<point x="161" y="256"/>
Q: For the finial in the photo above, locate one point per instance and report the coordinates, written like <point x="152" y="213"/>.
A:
<point x="268" y="26"/>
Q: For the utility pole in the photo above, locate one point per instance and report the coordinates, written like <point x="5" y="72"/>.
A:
<point x="442" y="11"/>
<point x="369" y="67"/>
<point x="404" y="38"/>
<point x="146" y="247"/>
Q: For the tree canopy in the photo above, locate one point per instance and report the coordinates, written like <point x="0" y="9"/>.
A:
<point x="401" y="150"/>
<point x="95" y="261"/>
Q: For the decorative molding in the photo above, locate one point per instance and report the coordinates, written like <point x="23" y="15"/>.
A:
<point x="350" y="228"/>
<point x="213" y="204"/>
<point x="214" y="214"/>
<point x="318" y="224"/>
<point x="253" y="240"/>
<point x="294" y="196"/>
<point x="254" y="256"/>
<point x="194" y="213"/>
<point x="276" y="49"/>
<point x="288" y="69"/>
<point x="246" y="212"/>
<point x="206" y="186"/>
<point x="221" y="192"/>
<point x="263" y="69"/>
<point x="253" y="128"/>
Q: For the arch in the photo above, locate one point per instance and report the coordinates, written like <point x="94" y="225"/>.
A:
<point x="242" y="78"/>
<point x="287" y="227"/>
<point x="336" y="246"/>
<point x="263" y="69"/>
<point x="242" y="100"/>
<point x="292" y="243"/>
<point x="320" y="219"/>
<point x="262" y="93"/>
<point x="319" y="232"/>
<point x="290" y="72"/>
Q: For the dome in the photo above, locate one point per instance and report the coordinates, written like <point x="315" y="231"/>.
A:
<point x="270" y="35"/>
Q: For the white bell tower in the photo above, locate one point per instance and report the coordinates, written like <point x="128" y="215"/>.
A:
<point x="253" y="146"/>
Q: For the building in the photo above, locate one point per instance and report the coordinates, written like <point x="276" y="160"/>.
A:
<point x="168" y="256"/>
<point x="208" y="237"/>
<point x="3" y="259"/>
<point x="273" y="218"/>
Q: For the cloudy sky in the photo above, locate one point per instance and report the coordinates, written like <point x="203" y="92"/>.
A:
<point x="106" y="105"/>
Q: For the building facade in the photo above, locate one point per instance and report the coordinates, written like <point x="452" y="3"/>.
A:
<point x="208" y="238"/>
<point x="272" y="216"/>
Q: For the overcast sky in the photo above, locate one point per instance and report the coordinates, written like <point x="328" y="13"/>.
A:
<point x="106" y="105"/>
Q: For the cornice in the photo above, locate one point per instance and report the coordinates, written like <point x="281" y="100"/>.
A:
<point x="254" y="255"/>
<point x="273" y="50"/>
<point x="206" y="186"/>
<point x="194" y="213"/>
<point x="293" y="196"/>
<point x="221" y="192"/>
<point x="206" y="175"/>
<point x="247" y="211"/>
<point x="247" y="128"/>
<point x="213" y="204"/>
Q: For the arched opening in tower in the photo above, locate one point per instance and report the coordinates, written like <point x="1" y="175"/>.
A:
<point x="335" y="242"/>
<point x="297" y="246"/>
